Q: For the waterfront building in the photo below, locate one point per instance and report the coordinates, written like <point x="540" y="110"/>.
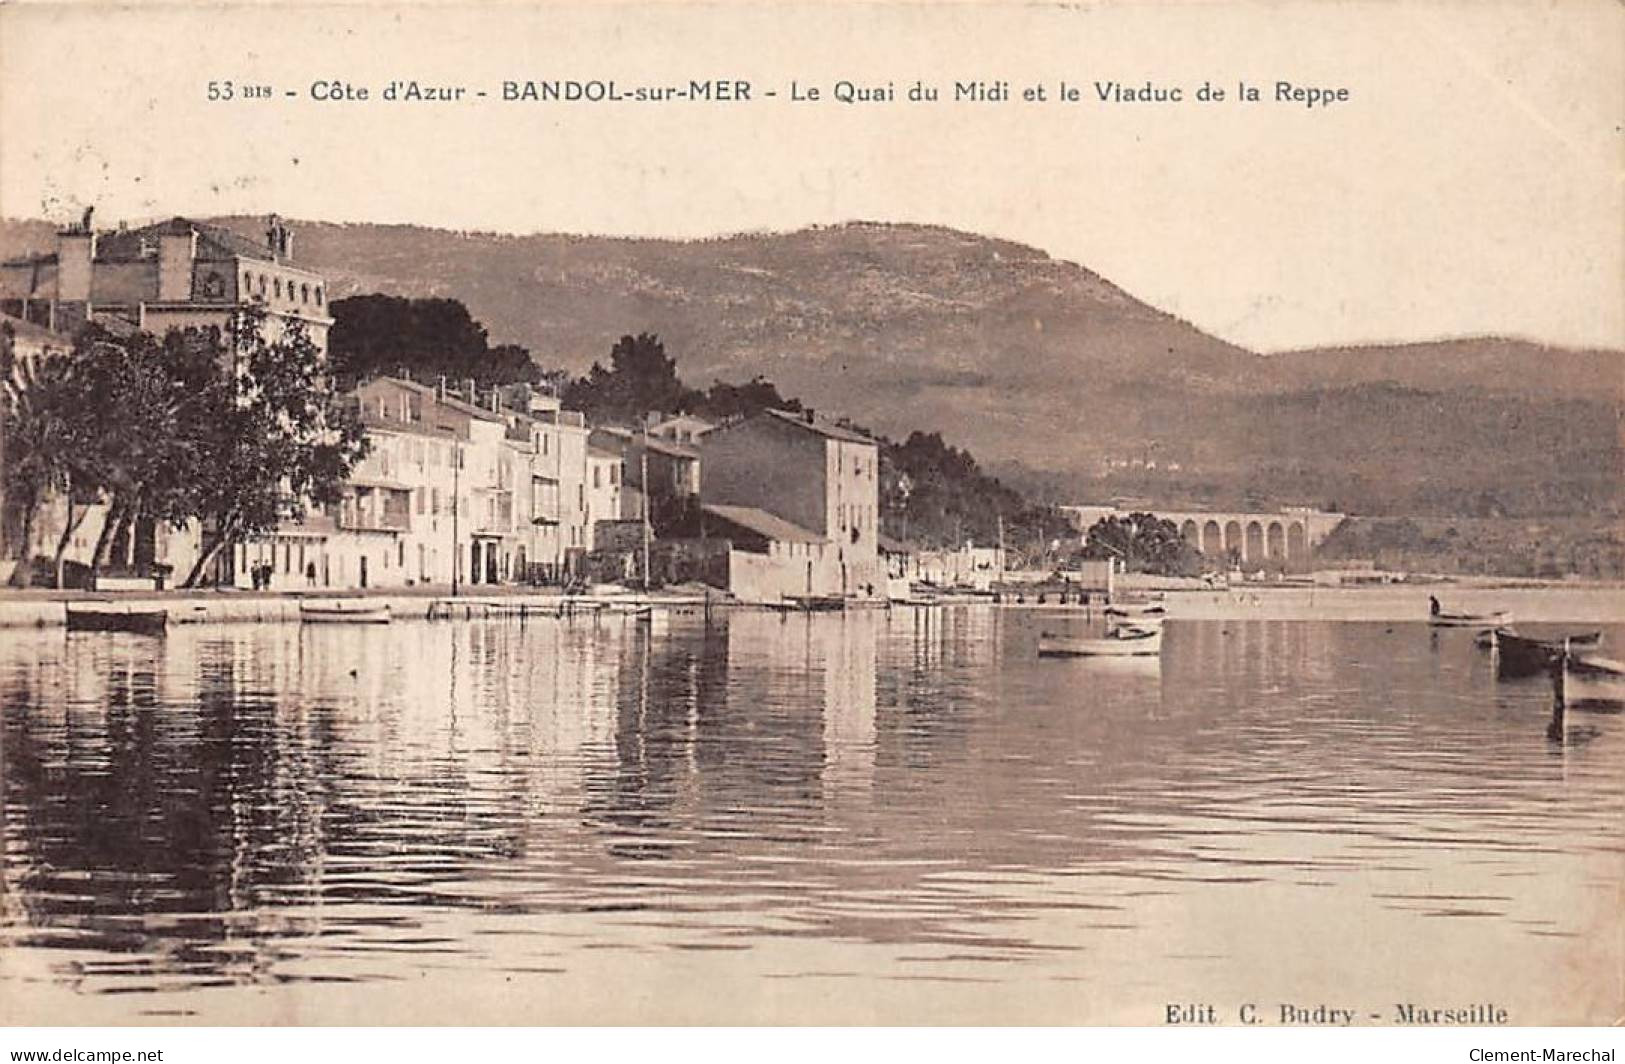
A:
<point x="173" y="274"/>
<point x="604" y="486"/>
<point x="807" y="490"/>
<point x="679" y="428"/>
<point x="495" y="488"/>
<point x="673" y="470"/>
<point x="550" y="476"/>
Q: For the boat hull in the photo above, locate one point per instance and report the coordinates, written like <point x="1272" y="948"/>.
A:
<point x="1126" y="645"/>
<point x="1498" y="619"/>
<point x="1593" y="681"/>
<point x="1519" y="656"/>
<point x="114" y="618"/>
<point x="336" y="614"/>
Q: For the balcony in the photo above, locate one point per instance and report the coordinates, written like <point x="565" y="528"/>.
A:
<point x="357" y="519"/>
<point x="376" y="508"/>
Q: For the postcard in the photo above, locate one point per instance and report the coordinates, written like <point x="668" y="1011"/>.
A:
<point x="1094" y="514"/>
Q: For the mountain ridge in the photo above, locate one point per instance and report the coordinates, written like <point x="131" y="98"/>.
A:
<point x="1022" y="357"/>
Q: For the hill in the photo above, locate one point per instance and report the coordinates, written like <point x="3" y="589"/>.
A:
<point x="1030" y="362"/>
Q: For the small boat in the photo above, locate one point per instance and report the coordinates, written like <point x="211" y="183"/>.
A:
<point x="1121" y="642"/>
<point x="358" y="611"/>
<point x="1522" y="656"/>
<point x="1497" y="619"/>
<point x="117" y="617"/>
<point x="810" y="603"/>
<point x="1138" y="610"/>
<point x="1588" y="679"/>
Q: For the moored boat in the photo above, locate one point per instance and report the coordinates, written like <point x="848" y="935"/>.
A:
<point x="1138" y="611"/>
<point x="117" y="617"/>
<point x="1125" y="641"/>
<point x="1590" y="679"/>
<point x="1441" y="618"/>
<point x="340" y="611"/>
<point x="809" y="603"/>
<point x="1522" y="656"/>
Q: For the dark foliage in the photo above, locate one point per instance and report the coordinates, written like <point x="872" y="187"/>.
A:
<point x="1143" y="542"/>
<point x="374" y="335"/>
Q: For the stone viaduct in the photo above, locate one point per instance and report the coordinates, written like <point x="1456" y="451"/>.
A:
<point x="1286" y="537"/>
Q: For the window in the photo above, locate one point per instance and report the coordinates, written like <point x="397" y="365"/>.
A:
<point x="418" y="495"/>
<point x="596" y="471"/>
<point x="434" y="500"/>
<point x="278" y="283"/>
<point x="581" y="496"/>
<point x="614" y="475"/>
<point x="304" y="293"/>
<point x="318" y="295"/>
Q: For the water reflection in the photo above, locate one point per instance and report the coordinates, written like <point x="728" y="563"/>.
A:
<point x="908" y="796"/>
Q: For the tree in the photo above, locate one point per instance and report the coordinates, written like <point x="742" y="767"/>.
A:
<point x="51" y="428"/>
<point x="948" y="499"/>
<point x="276" y="437"/>
<point x="1144" y="542"/>
<point x="376" y="334"/>
<point x="641" y="378"/>
<point x="728" y="402"/>
<point x="148" y="396"/>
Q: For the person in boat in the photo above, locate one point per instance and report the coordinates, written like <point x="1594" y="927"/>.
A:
<point x="1433" y="606"/>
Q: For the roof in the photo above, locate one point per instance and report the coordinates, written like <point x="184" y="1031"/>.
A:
<point x="667" y="447"/>
<point x="660" y="445"/>
<point x="214" y="241"/>
<point x="889" y="545"/>
<point x="469" y="408"/>
<point x="363" y="480"/>
<point x="682" y="419"/>
<point x="822" y="426"/>
<point x="27" y="332"/>
<point x="399" y="382"/>
<point x="763" y="523"/>
<point x="595" y="451"/>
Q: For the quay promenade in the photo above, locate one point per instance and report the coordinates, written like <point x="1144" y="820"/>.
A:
<point x="1529" y="602"/>
<point x="47" y="608"/>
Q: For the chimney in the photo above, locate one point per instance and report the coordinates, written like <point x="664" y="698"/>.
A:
<point x="808" y="414"/>
<point x="75" y="252"/>
<point x="176" y="253"/>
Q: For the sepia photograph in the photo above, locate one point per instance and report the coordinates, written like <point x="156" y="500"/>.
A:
<point x="813" y="514"/>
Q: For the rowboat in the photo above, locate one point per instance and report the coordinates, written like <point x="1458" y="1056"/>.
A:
<point x="1496" y="619"/>
<point x="117" y="617"/>
<point x="809" y="603"/>
<point x="340" y="612"/>
<point x="1139" y="611"/>
<point x="1123" y="642"/>
<point x="1522" y="656"/>
<point x="1588" y="679"/>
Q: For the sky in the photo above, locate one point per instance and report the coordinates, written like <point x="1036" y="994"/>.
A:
<point x="1472" y="183"/>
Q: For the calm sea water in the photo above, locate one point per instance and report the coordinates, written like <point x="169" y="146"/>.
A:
<point x="894" y="816"/>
